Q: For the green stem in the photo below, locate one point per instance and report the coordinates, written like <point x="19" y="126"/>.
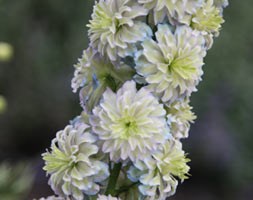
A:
<point x="126" y="188"/>
<point x="92" y="198"/>
<point x="113" y="179"/>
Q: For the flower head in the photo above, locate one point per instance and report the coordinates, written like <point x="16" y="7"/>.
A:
<point x="157" y="175"/>
<point x="172" y="66"/>
<point x="207" y="18"/>
<point x="171" y="160"/>
<point x="179" y="118"/>
<point x="129" y="123"/>
<point x="71" y="163"/>
<point x="114" y="29"/>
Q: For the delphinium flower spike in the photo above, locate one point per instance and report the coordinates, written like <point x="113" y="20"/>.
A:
<point x="144" y="60"/>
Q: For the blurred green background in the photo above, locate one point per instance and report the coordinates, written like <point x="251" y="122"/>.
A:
<point x="49" y="35"/>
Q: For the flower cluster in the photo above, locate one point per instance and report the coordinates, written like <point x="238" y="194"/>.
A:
<point x="144" y="60"/>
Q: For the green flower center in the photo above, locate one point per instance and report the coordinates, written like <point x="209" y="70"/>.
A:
<point x="130" y="125"/>
<point x="130" y="128"/>
<point x="183" y="67"/>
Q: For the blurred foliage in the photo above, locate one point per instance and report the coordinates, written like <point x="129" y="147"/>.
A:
<point x="15" y="181"/>
<point x="49" y="35"/>
<point x="6" y="51"/>
<point x="228" y="82"/>
<point x="3" y="104"/>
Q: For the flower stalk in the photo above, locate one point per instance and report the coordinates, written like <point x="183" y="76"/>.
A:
<point x="111" y="187"/>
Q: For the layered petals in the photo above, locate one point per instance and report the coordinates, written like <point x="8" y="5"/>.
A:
<point x="179" y="118"/>
<point x="71" y="164"/>
<point x="177" y="11"/>
<point x="172" y="66"/>
<point x="157" y="175"/>
<point x="115" y="28"/>
<point x="130" y="123"/>
<point x="208" y="18"/>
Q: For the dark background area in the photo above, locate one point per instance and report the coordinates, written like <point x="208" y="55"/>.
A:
<point x="49" y="35"/>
